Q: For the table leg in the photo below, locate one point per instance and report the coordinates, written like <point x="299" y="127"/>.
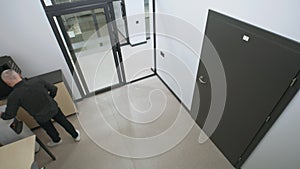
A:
<point x="45" y="148"/>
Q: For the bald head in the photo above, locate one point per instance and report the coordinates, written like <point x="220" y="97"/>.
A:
<point x="10" y="77"/>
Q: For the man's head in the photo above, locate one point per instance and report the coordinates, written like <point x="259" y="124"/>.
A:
<point x="10" y="77"/>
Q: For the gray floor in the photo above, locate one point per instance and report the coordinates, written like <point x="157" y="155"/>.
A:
<point x="139" y="126"/>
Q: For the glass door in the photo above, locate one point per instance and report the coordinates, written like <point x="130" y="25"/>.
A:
<point x="89" y="42"/>
<point x="89" y="39"/>
<point x="91" y="34"/>
<point x="121" y="21"/>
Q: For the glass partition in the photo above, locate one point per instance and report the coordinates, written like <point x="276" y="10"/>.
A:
<point x="88" y="35"/>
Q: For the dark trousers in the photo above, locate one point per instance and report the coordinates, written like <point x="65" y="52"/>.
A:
<point x="61" y="119"/>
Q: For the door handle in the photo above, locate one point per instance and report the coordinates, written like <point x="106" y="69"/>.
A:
<point x="201" y="80"/>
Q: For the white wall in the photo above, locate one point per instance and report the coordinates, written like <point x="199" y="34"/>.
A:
<point x="26" y="35"/>
<point x="135" y="12"/>
<point x="281" y="17"/>
<point x="180" y="43"/>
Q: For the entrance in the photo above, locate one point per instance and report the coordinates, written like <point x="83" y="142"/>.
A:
<point x="90" y="43"/>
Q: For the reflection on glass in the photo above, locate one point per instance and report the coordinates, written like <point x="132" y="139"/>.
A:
<point x="65" y="1"/>
<point x="87" y="31"/>
<point x="87" y="26"/>
<point x="119" y="10"/>
<point x="147" y="18"/>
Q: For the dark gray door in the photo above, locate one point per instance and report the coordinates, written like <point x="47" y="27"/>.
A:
<point x="258" y="73"/>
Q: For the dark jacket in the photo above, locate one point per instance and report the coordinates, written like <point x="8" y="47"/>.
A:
<point x="35" y="96"/>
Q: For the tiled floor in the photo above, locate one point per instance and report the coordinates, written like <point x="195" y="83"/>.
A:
<point x="139" y="126"/>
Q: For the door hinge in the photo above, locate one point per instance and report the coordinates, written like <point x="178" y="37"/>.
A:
<point x="238" y="162"/>
<point x="240" y="159"/>
<point x="293" y="82"/>
<point x="268" y="119"/>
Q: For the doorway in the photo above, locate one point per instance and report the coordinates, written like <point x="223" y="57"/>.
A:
<point x="91" y="35"/>
<point x="89" y="38"/>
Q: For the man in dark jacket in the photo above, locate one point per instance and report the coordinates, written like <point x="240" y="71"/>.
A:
<point x="36" y="97"/>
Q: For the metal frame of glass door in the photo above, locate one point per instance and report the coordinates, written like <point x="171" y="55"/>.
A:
<point x="123" y="11"/>
<point x="54" y="16"/>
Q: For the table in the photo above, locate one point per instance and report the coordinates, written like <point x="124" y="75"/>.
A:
<point x="18" y="155"/>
